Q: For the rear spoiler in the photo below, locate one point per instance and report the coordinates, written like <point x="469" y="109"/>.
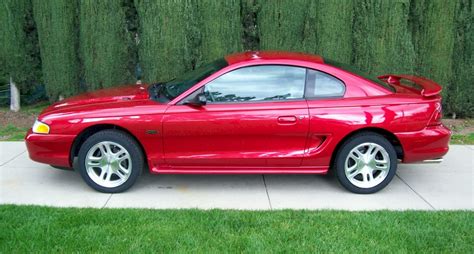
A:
<point x="428" y="87"/>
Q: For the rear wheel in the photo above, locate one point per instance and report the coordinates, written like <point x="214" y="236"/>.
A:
<point x="110" y="161"/>
<point x="366" y="163"/>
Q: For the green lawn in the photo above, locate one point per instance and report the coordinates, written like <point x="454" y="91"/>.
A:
<point x="15" y="125"/>
<point x="467" y="139"/>
<point x="12" y="133"/>
<point x="41" y="229"/>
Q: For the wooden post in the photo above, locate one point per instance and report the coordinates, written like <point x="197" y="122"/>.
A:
<point x="14" y="97"/>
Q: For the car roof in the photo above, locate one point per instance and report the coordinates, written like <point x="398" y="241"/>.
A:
<point x="272" y="55"/>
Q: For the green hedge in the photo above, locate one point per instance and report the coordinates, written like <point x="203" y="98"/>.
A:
<point x="104" y="44"/>
<point x="87" y="45"/>
<point x="382" y="39"/>
<point x="19" y="52"/>
<point x="197" y="32"/>
<point x="84" y="46"/>
<point x="220" y="29"/>
<point x="161" y="58"/>
<point x="461" y="90"/>
<point x="56" y="21"/>
<point x="321" y="27"/>
<point x="334" y="29"/>
<point x="287" y="24"/>
<point x="433" y="32"/>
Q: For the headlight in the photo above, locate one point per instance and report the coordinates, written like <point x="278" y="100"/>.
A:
<point x="40" y="127"/>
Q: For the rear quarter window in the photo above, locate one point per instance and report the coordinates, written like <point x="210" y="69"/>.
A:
<point x="323" y="85"/>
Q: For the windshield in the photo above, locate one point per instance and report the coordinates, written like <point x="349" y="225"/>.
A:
<point x="359" y="72"/>
<point x="169" y="90"/>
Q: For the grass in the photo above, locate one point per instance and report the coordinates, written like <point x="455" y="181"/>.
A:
<point x="12" y="133"/>
<point x="14" y="128"/>
<point x="460" y="139"/>
<point x="43" y="229"/>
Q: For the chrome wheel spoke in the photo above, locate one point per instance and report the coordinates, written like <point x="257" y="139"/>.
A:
<point x="120" y="153"/>
<point x="120" y="174"/>
<point x="351" y="168"/>
<point x="108" y="176"/>
<point x="102" y="173"/>
<point x="372" y="150"/>
<point x="109" y="148"/>
<point x="382" y="167"/>
<point x="358" y="154"/>
<point x="364" y="178"/>
<point x="93" y="163"/>
<point x="352" y="156"/>
<point x="103" y="150"/>
<point x="353" y="174"/>
<point x="125" y="157"/>
<point x="123" y="169"/>
<point x="370" y="176"/>
<point x="95" y="158"/>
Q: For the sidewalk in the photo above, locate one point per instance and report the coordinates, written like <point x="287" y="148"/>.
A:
<point x="445" y="186"/>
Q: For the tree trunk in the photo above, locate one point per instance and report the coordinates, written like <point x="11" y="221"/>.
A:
<point x="14" y="97"/>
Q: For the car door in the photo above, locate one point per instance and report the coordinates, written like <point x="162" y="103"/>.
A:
<point x="255" y="116"/>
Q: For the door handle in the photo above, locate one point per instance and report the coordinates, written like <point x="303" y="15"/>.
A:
<point x="287" y="119"/>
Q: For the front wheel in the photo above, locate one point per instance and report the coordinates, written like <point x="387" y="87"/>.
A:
<point x="366" y="163"/>
<point x="110" y="161"/>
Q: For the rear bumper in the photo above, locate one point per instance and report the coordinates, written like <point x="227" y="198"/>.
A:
<point x="50" y="149"/>
<point x="427" y="145"/>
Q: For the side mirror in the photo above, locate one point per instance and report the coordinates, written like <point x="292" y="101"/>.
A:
<point x="198" y="101"/>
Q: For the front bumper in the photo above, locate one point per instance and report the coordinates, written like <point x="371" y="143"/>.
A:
<point x="53" y="149"/>
<point x="428" y="145"/>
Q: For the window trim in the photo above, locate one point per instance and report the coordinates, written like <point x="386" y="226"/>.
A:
<point x="325" y="96"/>
<point x="250" y="102"/>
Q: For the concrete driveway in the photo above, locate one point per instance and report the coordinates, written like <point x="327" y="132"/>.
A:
<point x="445" y="186"/>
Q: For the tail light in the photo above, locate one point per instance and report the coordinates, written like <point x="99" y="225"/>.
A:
<point x="437" y="115"/>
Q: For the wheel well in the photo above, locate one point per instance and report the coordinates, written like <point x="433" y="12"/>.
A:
<point x="388" y="135"/>
<point x="89" y="131"/>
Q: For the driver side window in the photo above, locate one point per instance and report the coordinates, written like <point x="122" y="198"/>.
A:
<point x="257" y="83"/>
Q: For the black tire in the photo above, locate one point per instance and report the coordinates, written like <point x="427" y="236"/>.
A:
<point x="351" y="143"/>
<point x="127" y="142"/>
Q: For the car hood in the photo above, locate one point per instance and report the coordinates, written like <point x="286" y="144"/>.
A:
<point x="108" y="95"/>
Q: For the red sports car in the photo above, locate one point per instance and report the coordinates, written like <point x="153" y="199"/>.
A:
<point x="248" y="113"/>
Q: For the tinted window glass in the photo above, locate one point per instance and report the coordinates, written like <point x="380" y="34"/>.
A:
<point x="321" y="85"/>
<point x="258" y="83"/>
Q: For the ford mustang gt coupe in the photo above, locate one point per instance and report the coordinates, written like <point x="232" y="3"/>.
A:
<point x="260" y="112"/>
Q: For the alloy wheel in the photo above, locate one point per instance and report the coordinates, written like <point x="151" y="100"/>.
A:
<point x="367" y="165"/>
<point x="108" y="164"/>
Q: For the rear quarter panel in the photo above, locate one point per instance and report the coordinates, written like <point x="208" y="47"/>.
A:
<point x="331" y="120"/>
